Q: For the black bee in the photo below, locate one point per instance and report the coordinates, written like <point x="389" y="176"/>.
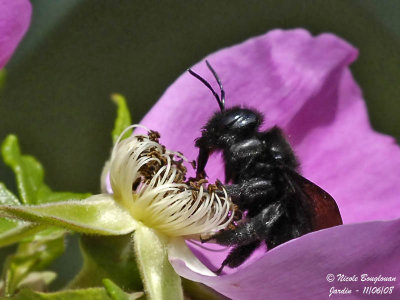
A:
<point x="278" y="203"/>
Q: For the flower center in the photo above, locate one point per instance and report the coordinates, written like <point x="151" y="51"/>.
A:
<point x="149" y="181"/>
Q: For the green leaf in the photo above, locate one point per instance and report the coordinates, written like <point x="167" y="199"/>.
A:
<point x="30" y="176"/>
<point x="3" y="77"/>
<point x="159" y="278"/>
<point x="37" y="281"/>
<point x="123" y="119"/>
<point x="28" y="171"/>
<point x="6" y="197"/>
<point x="45" y="195"/>
<point x="98" y="214"/>
<point x="32" y="256"/>
<point x="87" y="294"/>
<point x="116" y="293"/>
<point x="108" y="257"/>
<point x="48" y="233"/>
<point x="12" y="231"/>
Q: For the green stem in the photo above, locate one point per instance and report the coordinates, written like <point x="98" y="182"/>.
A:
<point x="159" y="278"/>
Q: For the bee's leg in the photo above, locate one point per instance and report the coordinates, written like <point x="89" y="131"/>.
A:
<point x="238" y="255"/>
<point x="242" y="234"/>
<point x="202" y="159"/>
<point x="252" y="193"/>
<point x="254" y="229"/>
<point x="234" y="191"/>
<point x="255" y="195"/>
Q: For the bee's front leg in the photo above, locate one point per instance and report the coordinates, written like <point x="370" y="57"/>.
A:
<point x="253" y="229"/>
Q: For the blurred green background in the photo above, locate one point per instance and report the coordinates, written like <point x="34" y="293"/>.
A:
<point x="76" y="53"/>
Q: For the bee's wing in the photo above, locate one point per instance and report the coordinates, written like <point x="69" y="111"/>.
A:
<point x="325" y="210"/>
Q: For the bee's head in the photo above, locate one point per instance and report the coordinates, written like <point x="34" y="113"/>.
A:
<point x="226" y="126"/>
<point x="229" y="126"/>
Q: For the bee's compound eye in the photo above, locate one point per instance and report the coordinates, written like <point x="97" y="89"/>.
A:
<point x="229" y="120"/>
<point x="242" y="119"/>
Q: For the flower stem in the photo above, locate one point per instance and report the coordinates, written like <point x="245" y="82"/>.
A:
<point x="159" y="278"/>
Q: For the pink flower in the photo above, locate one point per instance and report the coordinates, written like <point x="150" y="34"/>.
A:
<point x="302" y="84"/>
<point x="15" y="16"/>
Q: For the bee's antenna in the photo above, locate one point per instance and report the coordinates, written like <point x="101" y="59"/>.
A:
<point x="221" y="101"/>
<point x="220" y="85"/>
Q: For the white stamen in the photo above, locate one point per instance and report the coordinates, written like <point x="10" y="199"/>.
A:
<point x="148" y="181"/>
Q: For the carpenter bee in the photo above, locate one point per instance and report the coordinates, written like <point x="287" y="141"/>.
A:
<point x="262" y="177"/>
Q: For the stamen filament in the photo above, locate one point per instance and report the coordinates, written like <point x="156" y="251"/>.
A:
<point x="148" y="180"/>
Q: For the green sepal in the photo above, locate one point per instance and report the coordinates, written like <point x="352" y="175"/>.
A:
<point x="116" y="293"/>
<point x="87" y="294"/>
<point x="123" y="119"/>
<point x="159" y="278"/>
<point x="97" y="214"/>
<point x="108" y="257"/>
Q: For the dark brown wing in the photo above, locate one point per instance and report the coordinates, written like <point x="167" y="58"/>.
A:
<point x="325" y="210"/>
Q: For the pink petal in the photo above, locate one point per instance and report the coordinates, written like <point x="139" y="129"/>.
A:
<point x="298" y="269"/>
<point x="15" y="16"/>
<point x="303" y="84"/>
<point x="359" y="167"/>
